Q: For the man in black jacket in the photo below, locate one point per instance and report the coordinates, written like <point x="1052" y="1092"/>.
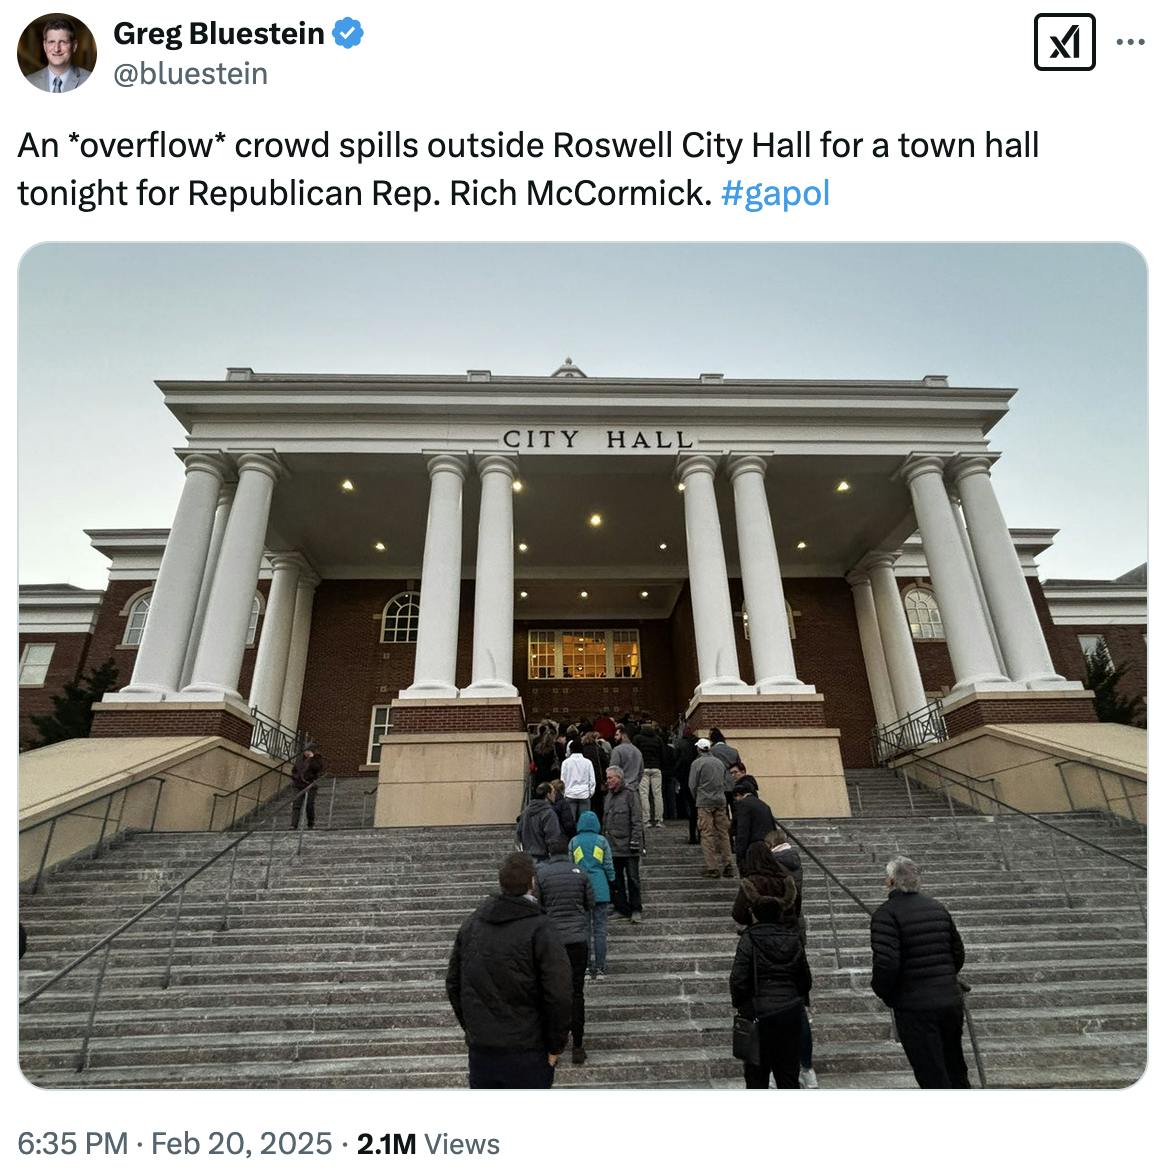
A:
<point x="753" y="820"/>
<point x="567" y="896"/>
<point x="510" y="985"/>
<point x="306" y="770"/>
<point x="916" y="955"/>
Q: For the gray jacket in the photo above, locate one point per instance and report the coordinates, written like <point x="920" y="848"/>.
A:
<point x="707" y="781"/>
<point x="567" y="896"/>
<point x="538" y="825"/>
<point x="630" y="761"/>
<point x="622" y="822"/>
<point x="73" y="77"/>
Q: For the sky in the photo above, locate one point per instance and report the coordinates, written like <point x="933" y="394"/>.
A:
<point x="1065" y="324"/>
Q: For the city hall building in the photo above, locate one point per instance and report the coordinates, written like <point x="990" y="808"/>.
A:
<point x="416" y="568"/>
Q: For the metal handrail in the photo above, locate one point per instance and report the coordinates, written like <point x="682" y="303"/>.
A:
<point x="965" y="782"/>
<point x="107" y="941"/>
<point x="830" y="876"/>
<point x="926" y="724"/>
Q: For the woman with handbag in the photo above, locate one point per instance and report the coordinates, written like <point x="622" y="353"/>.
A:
<point x="769" y="982"/>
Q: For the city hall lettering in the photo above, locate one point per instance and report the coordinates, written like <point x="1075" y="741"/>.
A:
<point x="594" y="439"/>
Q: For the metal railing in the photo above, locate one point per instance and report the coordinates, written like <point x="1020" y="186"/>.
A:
<point x="1122" y="777"/>
<point x="75" y="811"/>
<point x="968" y="784"/>
<point x="271" y="737"/>
<point x="924" y="725"/>
<point x="105" y="944"/>
<point x="830" y="876"/>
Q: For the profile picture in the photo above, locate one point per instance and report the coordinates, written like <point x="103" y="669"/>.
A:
<point x="56" y="53"/>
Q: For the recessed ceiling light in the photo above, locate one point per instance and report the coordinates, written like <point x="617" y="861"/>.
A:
<point x="800" y="545"/>
<point x="584" y="595"/>
<point x="680" y="486"/>
<point x="347" y="486"/>
<point x="595" y="520"/>
<point x="644" y="594"/>
<point x="843" y="487"/>
<point x="522" y="546"/>
<point x="379" y="546"/>
<point x="522" y="595"/>
<point x="517" y="485"/>
<point x="662" y="546"/>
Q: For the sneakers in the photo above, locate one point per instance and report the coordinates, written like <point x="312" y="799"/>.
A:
<point x="589" y="976"/>
<point x="635" y="917"/>
<point x="601" y="975"/>
<point x="709" y="873"/>
<point x="728" y="872"/>
<point x="808" y="1080"/>
<point x="579" y="1055"/>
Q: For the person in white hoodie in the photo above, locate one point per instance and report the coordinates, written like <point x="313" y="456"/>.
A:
<point x="579" y="780"/>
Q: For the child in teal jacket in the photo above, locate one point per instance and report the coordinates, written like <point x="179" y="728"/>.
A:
<point x="590" y="852"/>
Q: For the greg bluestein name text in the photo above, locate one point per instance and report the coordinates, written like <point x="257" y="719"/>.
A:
<point x="213" y="33"/>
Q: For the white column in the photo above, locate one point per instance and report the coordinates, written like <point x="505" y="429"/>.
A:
<point x="970" y="647"/>
<point x="158" y="667"/>
<point x="963" y="532"/>
<point x="879" y="685"/>
<point x="900" y="656"/>
<point x="708" y="584"/>
<point x="762" y="581"/>
<point x="222" y="510"/>
<point x="267" y="687"/>
<point x="298" y="651"/>
<point x="494" y="614"/>
<point x="437" y="650"/>
<point x="220" y="655"/>
<point x="1024" y="648"/>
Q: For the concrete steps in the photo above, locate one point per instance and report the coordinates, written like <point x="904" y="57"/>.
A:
<point x="333" y="976"/>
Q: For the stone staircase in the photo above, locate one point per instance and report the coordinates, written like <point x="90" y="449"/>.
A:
<point x="333" y="976"/>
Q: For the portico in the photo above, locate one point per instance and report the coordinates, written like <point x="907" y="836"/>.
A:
<point x="604" y="515"/>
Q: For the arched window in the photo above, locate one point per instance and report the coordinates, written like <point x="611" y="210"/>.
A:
<point x="136" y="613"/>
<point x="399" y="621"/>
<point x="924" y="617"/>
<point x="253" y="620"/>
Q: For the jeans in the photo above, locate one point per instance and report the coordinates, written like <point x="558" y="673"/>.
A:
<point x="626" y="890"/>
<point x="579" y="806"/>
<point x="650" y="786"/>
<point x="779" y="1040"/>
<point x="521" y="1070"/>
<point x="715" y="829"/>
<point x="805" y="1043"/>
<point x="932" y="1044"/>
<point x="578" y="958"/>
<point x="598" y="943"/>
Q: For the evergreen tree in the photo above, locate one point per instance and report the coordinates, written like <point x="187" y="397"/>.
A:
<point x="1103" y="677"/>
<point x="72" y="714"/>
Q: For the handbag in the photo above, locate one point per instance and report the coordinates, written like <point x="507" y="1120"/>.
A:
<point x="746" y="1041"/>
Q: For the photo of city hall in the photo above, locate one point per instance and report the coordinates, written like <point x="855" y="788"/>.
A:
<point x="414" y="570"/>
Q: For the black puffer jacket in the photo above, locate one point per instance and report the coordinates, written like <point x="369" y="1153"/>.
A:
<point x="770" y="973"/>
<point x="509" y="980"/>
<point x="566" y="894"/>
<point x="651" y="747"/>
<point x="916" y="953"/>
<point x="753" y="820"/>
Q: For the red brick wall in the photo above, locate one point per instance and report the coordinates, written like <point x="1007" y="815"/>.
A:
<point x="123" y="724"/>
<point x="981" y="711"/>
<point x="757" y="712"/>
<point x="413" y="720"/>
<point x="1125" y="643"/>
<point x="69" y="659"/>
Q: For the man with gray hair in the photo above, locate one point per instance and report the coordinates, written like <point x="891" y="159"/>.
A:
<point x="916" y="955"/>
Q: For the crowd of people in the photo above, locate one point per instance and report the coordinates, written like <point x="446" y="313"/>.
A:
<point x="521" y="964"/>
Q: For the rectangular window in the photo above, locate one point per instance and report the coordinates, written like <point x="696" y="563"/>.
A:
<point x="583" y="653"/>
<point x="378" y="727"/>
<point x="34" y="664"/>
<point x="1088" y="643"/>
